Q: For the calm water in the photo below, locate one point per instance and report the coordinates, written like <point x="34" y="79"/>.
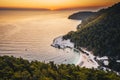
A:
<point x="29" y="34"/>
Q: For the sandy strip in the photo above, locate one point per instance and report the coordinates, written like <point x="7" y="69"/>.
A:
<point x="87" y="60"/>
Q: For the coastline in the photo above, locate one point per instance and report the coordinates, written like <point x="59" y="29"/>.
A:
<point x="86" y="58"/>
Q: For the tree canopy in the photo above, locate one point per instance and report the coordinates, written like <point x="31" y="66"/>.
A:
<point x="12" y="68"/>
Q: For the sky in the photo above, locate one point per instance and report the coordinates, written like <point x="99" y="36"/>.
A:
<point x="56" y="4"/>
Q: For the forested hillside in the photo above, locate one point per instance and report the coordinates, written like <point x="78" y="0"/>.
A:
<point x="12" y="68"/>
<point x="101" y="35"/>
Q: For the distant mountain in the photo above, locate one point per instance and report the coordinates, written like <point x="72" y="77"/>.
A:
<point x="100" y="33"/>
<point x="81" y="15"/>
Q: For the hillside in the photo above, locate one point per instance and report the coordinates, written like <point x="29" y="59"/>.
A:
<point x="81" y="15"/>
<point x="101" y="35"/>
<point x="12" y="68"/>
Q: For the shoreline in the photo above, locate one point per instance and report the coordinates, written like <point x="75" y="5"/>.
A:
<point x="86" y="58"/>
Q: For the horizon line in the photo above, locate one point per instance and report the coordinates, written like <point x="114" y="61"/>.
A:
<point x="73" y="8"/>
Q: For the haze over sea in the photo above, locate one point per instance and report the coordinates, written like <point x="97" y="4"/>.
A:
<point x="29" y="34"/>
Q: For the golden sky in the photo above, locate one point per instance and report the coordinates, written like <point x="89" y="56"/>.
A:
<point x="55" y="4"/>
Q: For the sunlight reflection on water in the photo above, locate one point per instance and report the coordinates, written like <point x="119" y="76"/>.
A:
<point x="30" y="36"/>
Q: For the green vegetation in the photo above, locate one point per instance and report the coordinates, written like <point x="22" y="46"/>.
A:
<point x="101" y="35"/>
<point x="12" y="68"/>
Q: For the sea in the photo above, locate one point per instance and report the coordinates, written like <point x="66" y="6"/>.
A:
<point x="29" y="34"/>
